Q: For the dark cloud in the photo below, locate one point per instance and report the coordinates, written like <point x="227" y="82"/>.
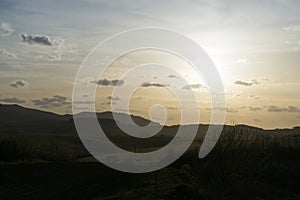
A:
<point x="106" y="82"/>
<point x="192" y="86"/>
<point x="18" y="84"/>
<point x="55" y="101"/>
<point x="6" y="29"/>
<point x="113" y="98"/>
<point x="283" y="109"/>
<point x="36" y="39"/>
<point x="147" y="84"/>
<point x="172" y="108"/>
<point x="12" y="100"/>
<point x="254" y="109"/>
<point x="111" y="103"/>
<point x="244" y="83"/>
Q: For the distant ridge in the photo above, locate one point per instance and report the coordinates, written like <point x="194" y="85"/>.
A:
<point x="18" y="119"/>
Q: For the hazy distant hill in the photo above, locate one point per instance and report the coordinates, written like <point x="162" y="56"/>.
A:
<point x="18" y="119"/>
<point x="42" y="156"/>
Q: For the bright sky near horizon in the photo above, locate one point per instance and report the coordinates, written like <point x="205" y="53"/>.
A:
<point x="254" y="44"/>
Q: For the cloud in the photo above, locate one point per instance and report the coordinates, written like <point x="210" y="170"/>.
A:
<point x="172" y="76"/>
<point x="48" y="57"/>
<point x="246" y="61"/>
<point x="83" y="102"/>
<point x="113" y="98"/>
<point x="292" y="28"/>
<point x="106" y="82"/>
<point x="36" y="39"/>
<point x="256" y="120"/>
<point x="55" y="101"/>
<point x="6" y="29"/>
<point x="12" y="100"/>
<point x="172" y="108"/>
<point x="227" y="109"/>
<point x="254" y="109"/>
<point x="18" y="84"/>
<point x="192" y="86"/>
<point x="254" y="97"/>
<point x="139" y="98"/>
<point x="283" y="109"/>
<point x="6" y="53"/>
<point x="244" y="83"/>
<point x="148" y="84"/>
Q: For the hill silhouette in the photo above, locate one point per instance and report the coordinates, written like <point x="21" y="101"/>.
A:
<point x="42" y="157"/>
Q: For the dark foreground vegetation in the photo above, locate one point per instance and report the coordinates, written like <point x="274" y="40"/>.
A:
<point x="246" y="163"/>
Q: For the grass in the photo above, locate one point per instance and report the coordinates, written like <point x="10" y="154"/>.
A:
<point x="246" y="163"/>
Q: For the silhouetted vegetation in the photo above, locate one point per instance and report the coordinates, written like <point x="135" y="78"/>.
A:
<point x="246" y="163"/>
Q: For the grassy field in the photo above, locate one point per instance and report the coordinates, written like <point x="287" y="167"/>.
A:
<point x="48" y="161"/>
<point x="244" y="165"/>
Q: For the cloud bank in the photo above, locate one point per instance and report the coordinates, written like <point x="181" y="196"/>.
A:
<point x="12" y="100"/>
<point x="55" y="101"/>
<point x="283" y="109"/>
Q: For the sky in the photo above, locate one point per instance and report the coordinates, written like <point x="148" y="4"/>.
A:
<point x="255" y="46"/>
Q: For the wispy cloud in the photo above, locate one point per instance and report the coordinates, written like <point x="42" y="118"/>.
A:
<point x="83" y="102"/>
<point x="55" y="101"/>
<point x="257" y="120"/>
<point x="254" y="97"/>
<point x="192" y="86"/>
<point x="6" y="53"/>
<point x="255" y="109"/>
<point x="6" y="29"/>
<point x="12" y="100"/>
<point x="244" y="83"/>
<point x="48" y="57"/>
<point x="172" y="76"/>
<point x="292" y="28"/>
<point x="283" y="109"/>
<point x="226" y="109"/>
<point x="18" y="84"/>
<point x="172" y="108"/>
